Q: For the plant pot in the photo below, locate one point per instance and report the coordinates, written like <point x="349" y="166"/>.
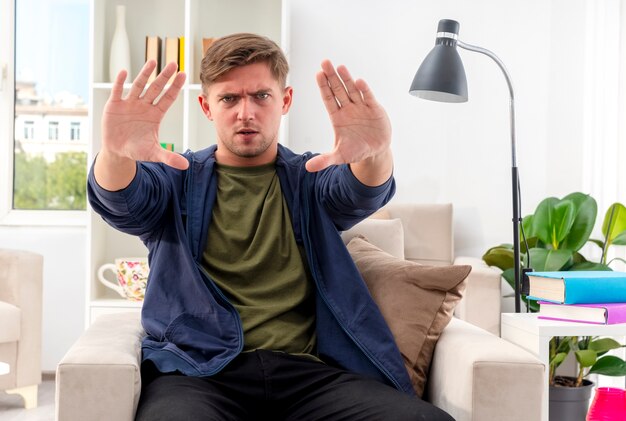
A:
<point x="570" y="403"/>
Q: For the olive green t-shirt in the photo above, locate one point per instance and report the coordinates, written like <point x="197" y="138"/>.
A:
<point x="253" y="257"/>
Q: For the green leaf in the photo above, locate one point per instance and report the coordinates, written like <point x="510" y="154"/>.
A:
<point x="500" y="256"/>
<point x="553" y="220"/>
<point x="583" y="342"/>
<point x="558" y="359"/>
<point x="620" y="239"/>
<point x="614" y="222"/>
<point x="589" y="266"/>
<point x="619" y="259"/>
<point x="533" y="305"/>
<point x="527" y="225"/>
<point x="543" y="260"/>
<point x="532" y="242"/>
<point x="538" y="257"/>
<point x="509" y="277"/>
<point x="609" y="365"/>
<point x="598" y="243"/>
<point x="563" y="219"/>
<point x="557" y="259"/>
<point x="586" y="357"/>
<point x="564" y="345"/>
<point x="604" y="344"/>
<point x="542" y="221"/>
<point x="586" y="210"/>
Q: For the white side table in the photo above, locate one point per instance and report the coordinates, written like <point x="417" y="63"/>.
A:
<point x="4" y="368"/>
<point x="533" y="334"/>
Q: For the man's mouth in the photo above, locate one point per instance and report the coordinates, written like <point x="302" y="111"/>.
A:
<point x="247" y="132"/>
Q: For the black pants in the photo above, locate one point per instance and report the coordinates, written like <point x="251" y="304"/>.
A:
<point x="266" y="385"/>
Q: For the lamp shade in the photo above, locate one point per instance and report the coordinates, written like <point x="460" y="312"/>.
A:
<point x="441" y="77"/>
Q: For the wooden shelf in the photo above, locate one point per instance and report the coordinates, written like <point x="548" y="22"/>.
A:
<point x="184" y="125"/>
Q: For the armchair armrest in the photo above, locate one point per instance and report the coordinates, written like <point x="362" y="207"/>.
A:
<point x="481" y="303"/>
<point x="21" y="280"/>
<point x="475" y="375"/>
<point x="99" y="377"/>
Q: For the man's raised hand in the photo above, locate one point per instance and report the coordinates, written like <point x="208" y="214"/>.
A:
<point x="130" y="124"/>
<point x="361" y="126"/>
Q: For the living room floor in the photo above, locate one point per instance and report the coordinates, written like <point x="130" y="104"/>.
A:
<point x="12" y="406"/>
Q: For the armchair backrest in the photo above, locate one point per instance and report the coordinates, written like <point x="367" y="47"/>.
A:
<point x="428" y="231"/>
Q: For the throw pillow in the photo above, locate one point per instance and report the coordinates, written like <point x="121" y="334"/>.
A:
<point x="387" y="234"/>
<point x="417" y="301"/>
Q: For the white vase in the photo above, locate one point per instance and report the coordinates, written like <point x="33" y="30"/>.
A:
<point x="120" y="50"/>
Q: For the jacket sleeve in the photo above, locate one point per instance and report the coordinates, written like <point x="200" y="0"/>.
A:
<point x="346" y="199"/>
<point x="137" y="209"/>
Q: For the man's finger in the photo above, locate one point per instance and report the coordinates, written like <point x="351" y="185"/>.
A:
<point x="321" y="162"/>
<point x="156" y="87"/>
<point x="170" y="95"/>
<point x="368" y="95"/>
<point x="118" y="86"/>
<point x="330" y="102"/>
<point x="336" y="85"/>
<point x="142" y="78"/>
<point x="353" y="92"/>
<point x="172" y="159"/>
<point x="154" y="90"/>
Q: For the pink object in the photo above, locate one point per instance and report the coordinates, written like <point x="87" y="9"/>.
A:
<point x="609" y="404"/>
<point x="604" y="314"/>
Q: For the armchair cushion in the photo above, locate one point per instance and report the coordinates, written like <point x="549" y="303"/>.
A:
<point x="417" y="301"/>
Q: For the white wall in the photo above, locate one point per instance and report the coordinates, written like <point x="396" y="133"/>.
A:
<point x="457" y="153"/>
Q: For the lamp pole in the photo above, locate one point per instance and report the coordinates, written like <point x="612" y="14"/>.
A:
<point x="514" y="170"/>
<point x="441" y="77"/>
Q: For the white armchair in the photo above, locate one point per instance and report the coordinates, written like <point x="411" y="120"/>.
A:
<point x="21" y="278"/>
<point x="475" y="375"/>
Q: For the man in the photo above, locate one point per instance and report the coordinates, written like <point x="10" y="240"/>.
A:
<point x="254" y="309"/>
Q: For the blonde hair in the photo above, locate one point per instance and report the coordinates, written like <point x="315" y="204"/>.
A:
<point x="241" y="49"/>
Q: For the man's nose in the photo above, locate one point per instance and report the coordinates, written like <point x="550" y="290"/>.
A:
<point x="246" y="110"/>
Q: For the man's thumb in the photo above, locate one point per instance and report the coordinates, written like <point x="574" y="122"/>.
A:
<point x="319" y="162"/>
<point x="174" y="160"/>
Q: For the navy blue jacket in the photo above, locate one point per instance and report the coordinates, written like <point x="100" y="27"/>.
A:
<point x="191" y="327"/>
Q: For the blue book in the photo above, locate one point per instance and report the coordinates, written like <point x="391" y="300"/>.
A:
<point x="578" y="287"/>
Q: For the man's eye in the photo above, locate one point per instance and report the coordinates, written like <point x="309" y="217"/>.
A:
<point x="262" y="95"/>
<point x="228" y="99"/>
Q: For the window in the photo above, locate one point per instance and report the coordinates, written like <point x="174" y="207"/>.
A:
<point x="29" y="130"/>
<point x="53" y="130"/>
<point x="47" y="95"/>
<point x="74" y="130"/>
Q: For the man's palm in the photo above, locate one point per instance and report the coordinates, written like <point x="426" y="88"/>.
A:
<point x="130" y="125"/>
<point x="361" y="126"/>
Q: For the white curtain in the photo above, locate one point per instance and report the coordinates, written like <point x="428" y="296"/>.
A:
<point x="604" y="94"/>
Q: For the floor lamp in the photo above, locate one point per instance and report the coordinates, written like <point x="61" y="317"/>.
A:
<point x="441" y="77"/>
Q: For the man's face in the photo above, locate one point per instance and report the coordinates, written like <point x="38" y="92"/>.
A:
<point x="246" y="104"/>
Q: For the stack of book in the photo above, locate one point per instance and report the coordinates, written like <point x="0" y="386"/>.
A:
<point x="173" y="51"/>
<point x="597" y="297"/>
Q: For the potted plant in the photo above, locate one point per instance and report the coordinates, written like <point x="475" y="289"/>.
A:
<point x="569" y="396"/>
<point x="554" y="235"/>
<point x="550" y="240"/>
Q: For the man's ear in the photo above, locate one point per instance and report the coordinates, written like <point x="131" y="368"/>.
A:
<point x="287" y="99"/>
<point x="204" y="104"/>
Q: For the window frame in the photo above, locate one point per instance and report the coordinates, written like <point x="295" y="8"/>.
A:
<point x="8" y="215"/>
